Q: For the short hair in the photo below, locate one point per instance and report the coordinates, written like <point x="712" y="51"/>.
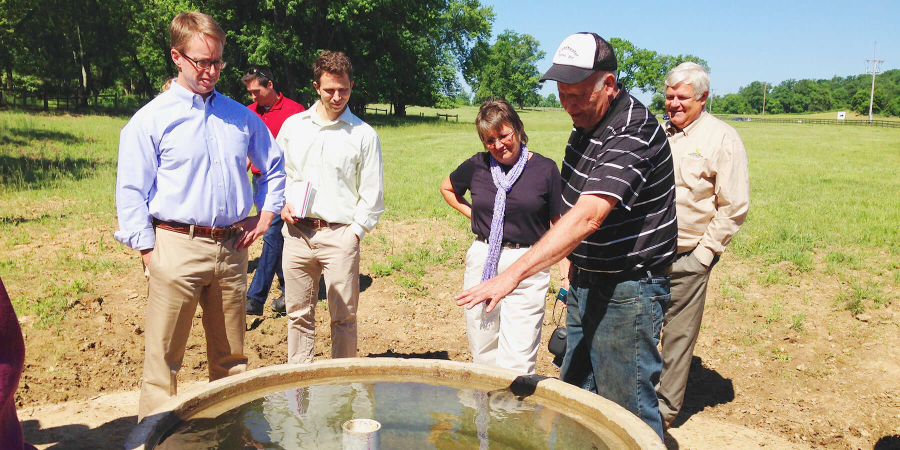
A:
<point x="601" y="80"/>
<point x="690" y="73"/>
<point x="336" y="63"/>
<point x="260" y="73"/>
<point x="188" y="24"/>
<point x="493" y="114"/>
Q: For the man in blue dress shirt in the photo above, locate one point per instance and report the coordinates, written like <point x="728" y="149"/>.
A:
<point x="183" y="200"/>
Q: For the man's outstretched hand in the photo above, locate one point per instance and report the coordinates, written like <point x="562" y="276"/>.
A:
<point x="490" y="291"/>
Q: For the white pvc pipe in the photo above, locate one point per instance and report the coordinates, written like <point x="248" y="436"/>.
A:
<point x="362" y="434"/>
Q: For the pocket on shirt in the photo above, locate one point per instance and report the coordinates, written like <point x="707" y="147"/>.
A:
<point x="693" y="171"/>
<point x="236" y="144"/>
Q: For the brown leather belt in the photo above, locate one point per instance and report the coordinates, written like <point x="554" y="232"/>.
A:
<point x="215" y="233"/>
<point x="315" y="223"/>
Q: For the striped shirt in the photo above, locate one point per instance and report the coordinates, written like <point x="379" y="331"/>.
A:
<point x="626" y="157"/>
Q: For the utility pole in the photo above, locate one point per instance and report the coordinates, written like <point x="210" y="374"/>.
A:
<point x="874" y="72"/>
<point x="764" y="99"/>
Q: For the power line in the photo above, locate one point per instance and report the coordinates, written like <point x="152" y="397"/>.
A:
<point x="874" y="72"/>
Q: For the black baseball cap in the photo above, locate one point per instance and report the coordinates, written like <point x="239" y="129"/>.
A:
<point x="580" y="56"/>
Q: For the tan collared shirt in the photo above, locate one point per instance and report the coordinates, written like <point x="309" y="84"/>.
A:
<point x="712" y="187"/>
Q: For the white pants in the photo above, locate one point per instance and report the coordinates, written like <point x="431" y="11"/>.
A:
<point x="508" y="336"/>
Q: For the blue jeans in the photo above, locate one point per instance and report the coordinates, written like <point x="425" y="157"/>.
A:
<point x="613" y="329"/>
<point x="269" y="263"/>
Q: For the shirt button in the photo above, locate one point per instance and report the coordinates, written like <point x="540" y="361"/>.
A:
<point x="221" y="208"/>
<point x="217" y="161"/>
<point x="220" y="184"/>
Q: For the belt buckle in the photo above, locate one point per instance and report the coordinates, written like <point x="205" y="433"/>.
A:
<point x="221" y="233"/>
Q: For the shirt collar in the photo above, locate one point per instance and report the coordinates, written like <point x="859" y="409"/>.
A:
<point x="671" y="130"/>
<point x="347" y="117"/>
<point x="279" y="103"/>
<point x="189" y="98"/>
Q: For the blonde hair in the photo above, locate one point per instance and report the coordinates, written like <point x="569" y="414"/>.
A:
<point x="188" y="24"/>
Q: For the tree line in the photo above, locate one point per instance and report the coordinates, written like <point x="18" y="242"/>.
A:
<point x="404" y="51"/>
<point x="791" y="96"/>
<point x="508" y="69"/>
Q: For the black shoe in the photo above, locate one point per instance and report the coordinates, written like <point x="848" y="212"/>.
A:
<point x="254" y="307"/>
<point x="278" y="305"/>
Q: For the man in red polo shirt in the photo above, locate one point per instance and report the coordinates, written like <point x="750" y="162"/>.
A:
<point x="273" y="108"/>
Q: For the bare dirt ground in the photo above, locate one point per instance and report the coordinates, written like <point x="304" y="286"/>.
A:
<point x="758" y="379"/>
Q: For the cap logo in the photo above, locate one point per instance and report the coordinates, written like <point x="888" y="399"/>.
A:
<point x="577" y="50"/>
<point x="567" y="52"/>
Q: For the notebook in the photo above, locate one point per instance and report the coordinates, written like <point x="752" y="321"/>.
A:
<point x="301" y="194"/>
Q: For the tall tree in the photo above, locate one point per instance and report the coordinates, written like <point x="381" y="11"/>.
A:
<point x="732" y="104"/>
<point x="753" y="93"/>
<point x="13" y="13"/>
<point x="646" y="70"/>
<point x="509" y="70"/>
<point x="403" y="51"/>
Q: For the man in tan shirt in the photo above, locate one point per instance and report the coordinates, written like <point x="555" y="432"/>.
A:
<point x="712" y="195"/>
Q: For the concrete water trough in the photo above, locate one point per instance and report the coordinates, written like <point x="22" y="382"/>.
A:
<point x="417" y="404"/>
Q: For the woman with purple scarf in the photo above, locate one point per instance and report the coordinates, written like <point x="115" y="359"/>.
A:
<point x="515" y="199"/>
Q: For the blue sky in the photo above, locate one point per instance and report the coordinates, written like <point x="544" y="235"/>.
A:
<point x="742" y="41"/>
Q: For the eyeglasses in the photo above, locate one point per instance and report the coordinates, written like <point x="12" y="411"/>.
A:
<point x="205" y="64"/>
<point x="504" y="138"/>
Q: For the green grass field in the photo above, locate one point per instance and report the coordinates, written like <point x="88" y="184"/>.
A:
<point x="822" y="115"/>
<point x="819" y="194"/>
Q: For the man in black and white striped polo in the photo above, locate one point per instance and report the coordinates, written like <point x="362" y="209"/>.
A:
<point x="619" y="232"/>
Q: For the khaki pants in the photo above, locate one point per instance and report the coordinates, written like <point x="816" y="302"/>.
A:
<point x="681" y="328"/>
<point x="308" y="253"/>
<point x="184" y="272"/>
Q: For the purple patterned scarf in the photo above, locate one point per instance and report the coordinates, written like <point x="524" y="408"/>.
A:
<point x="504" y="184"/>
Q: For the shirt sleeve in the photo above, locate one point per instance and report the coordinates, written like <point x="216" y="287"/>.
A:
<point x="135" y="179"/>
<point x="732" y="192"/>
<point x="266" y="155"/>
<point x="371" y="187"/>
<point x="461" y="178"/>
